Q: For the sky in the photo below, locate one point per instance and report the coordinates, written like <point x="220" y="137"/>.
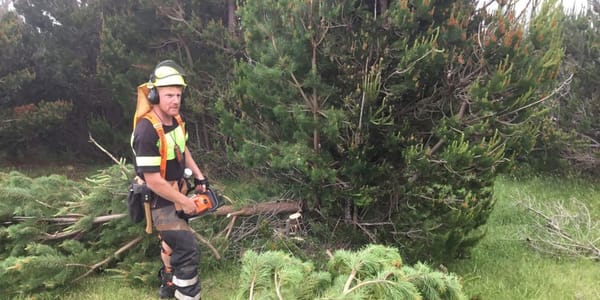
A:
<point x="567" y="4"/>
<point x="577" y="4"/>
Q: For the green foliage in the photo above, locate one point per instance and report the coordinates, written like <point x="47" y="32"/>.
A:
<point x="136" y="35"/>
<point x="46" y="62"/>
<point x="94" y="54"/>
<point x="34" y="126"/>
<point x="50" y="235"/>
<point x="375" y="272"/>
<point x="276" y="271"/>
<point x="104" y="133"/>
<point x="15" y="68"/>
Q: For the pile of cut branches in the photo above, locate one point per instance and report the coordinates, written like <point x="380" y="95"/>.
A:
<point x="564" y="230"/>
<point x="54" y="231"/>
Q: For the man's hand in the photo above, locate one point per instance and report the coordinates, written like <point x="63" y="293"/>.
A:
<point x="189" y="207"/>
<point x="201" y="185"/>
<point x="200" y="188"/>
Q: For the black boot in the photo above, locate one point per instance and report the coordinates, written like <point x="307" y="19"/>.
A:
<point x="167" y="290"/>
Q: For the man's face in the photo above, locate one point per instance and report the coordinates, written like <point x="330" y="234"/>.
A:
<point x="170" y="99"/>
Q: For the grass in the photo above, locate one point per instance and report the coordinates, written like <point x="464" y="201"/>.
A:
<point x="217" y="284"/>
<point x="501" y="266"/>
<point x="504" y="266"/>
<point x="73" y="171"/>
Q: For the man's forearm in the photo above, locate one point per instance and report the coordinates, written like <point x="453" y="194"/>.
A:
<point x="191" y="164"/>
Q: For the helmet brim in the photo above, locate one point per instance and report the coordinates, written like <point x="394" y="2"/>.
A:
<point x="170" y="80"/>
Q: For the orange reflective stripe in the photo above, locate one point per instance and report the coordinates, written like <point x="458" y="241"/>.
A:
<point x="163" y="142"/>
<point x="181" y="124"/>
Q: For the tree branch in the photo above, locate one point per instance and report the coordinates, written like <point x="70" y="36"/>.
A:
<point x="108" y="259"/>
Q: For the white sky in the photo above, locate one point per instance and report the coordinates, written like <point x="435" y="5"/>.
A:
<point x="568" y="5"/>
<point x="577" y="4"/>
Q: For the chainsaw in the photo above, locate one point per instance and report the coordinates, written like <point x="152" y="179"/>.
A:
<point x="205" y="202"/>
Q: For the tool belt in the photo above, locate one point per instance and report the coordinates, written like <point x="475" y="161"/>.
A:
<point x="138" y="194"/>
<point x="138" y="202"/>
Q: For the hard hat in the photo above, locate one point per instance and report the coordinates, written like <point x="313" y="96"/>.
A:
<point x="167" y="73"/>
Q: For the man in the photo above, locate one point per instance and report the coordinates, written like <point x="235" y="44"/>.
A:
<point x="179" y="249"/>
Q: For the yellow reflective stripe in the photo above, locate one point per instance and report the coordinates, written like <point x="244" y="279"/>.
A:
<point x="180" y="296"/>
<point x="147" y="161"/>
<point x="174" y="137"/>
<point x="184" y="282"/>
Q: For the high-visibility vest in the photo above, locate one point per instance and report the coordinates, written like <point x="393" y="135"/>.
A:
<point x="150" y="116"/>
<point x="143" y="110"/>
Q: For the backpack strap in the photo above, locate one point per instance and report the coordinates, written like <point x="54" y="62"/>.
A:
<point x="157" y="124"/>
<point x="163" y="141"/>
<point x="181" y="123"/>
<point x="182" y="126"/>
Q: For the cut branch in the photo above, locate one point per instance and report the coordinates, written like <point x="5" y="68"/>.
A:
<point x="71" y="219"/>
<point x="260" y="208"/>
<point x="208" y="244"/>
<point x="108" y="259"/>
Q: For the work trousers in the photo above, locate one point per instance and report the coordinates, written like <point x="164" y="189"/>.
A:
<point x="185" y="257"/>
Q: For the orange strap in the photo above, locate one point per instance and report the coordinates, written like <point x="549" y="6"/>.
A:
<point x="157" y="124"/>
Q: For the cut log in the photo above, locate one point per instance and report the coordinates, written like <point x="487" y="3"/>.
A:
<point x="272" y="208"/>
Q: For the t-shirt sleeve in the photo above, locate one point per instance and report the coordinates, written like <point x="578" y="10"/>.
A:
<point x="145" y="148"/>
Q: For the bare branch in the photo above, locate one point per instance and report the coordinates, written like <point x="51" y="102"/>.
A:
<point x="118" y="162"/>
<point x="563" y="85"/>
<point x="208" y="244"/>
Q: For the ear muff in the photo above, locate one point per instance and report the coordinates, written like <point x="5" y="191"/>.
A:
<point x="154" y="99"/>
<point x="153" y="96"/>
<point x="152" y="93"/>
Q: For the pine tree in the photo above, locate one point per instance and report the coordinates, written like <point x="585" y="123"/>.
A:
<point x="55" y="53"/>
<point x="400" y="117"/>
<point x="374" y="272"/>
<point x="135" y="35"/>
<point x="282" y="107"/>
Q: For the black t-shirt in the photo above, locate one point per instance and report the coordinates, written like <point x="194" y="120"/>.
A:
<point x="145" y="144"/>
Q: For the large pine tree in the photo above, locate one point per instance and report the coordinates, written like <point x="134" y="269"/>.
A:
<point x="395" y="117"/>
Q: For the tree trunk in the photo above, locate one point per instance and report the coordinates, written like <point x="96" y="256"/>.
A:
<point x="231" y="18"/>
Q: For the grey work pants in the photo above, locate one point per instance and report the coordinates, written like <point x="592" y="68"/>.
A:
<point x="185" y="257"/>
